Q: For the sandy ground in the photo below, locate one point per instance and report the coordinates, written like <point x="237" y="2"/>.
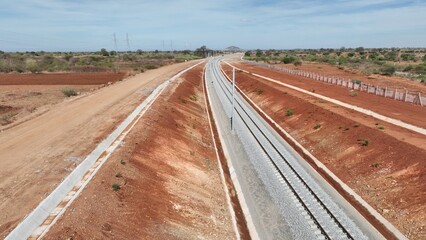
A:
<point x="25" y="96"/>
<point x="168" y="174"/>
<point x="36" y="155"/>
<point x="388" y="173"/>
<point x="374" y="79"/>
<point x="19" y="103"/>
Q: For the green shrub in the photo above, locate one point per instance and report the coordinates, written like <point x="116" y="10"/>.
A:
<point x="259" y="91"/>
<point x="289" y="112"/>
<point x="68" y="92"/>
<point x="289" y="59"/>
<point x="375" y="165"/>
<point x="388" y="70"/>
<point x="7" y="118"/>
<point x="297" y="63"/>
<point x="363" y="142"/>
<point x="420" y="69"/>
<point x="116" y="187"/>
<point x="182" y="100"/>
<point x="193" y="97"/>
<point x="356" y="81"/>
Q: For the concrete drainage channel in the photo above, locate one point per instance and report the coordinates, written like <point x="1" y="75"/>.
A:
<point x="39" y="221"/>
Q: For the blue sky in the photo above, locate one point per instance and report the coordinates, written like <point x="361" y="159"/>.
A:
<point x="85" y="25"/>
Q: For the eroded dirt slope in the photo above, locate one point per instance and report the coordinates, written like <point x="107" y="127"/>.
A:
<point x="36" y="155"/>
<point x="385" y="169"/>
<point x="168" y="174"/>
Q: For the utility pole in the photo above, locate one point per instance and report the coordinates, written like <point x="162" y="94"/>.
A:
<point x="233" y="99"/>
<point x="116" y="52"/>
<point x="115" y="43"/>
<point x="128" y="42"/>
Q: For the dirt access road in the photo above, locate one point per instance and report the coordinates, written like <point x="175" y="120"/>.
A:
<point x="36" y="155"/>
<point x="167" y="169"/>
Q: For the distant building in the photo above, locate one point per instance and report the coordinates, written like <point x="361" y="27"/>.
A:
<point x="233" y="49"/>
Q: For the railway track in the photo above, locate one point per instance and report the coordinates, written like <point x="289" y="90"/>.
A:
<point x="324" y="217"/>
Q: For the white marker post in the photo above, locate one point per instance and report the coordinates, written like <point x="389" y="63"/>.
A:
<point x="233" y="99"/>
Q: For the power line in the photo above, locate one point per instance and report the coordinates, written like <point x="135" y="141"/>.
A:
<point x="115" y="43"/>
<point x="128" y="42"/>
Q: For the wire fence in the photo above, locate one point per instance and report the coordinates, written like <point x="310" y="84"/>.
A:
<point x="413" y="97"/>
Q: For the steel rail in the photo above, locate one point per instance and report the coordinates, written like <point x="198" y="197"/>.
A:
<point x="220" y="77"/>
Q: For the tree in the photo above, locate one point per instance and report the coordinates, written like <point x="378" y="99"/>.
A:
<point x="202" y="51"/>
<point x="258" y="53"/>
<point x="359" y="49"/>
<point x="247" y="54"/>
<point x="104" y="52"/>
<point x="289" y="59"/>
<point x="391" y="56"/>
<point x="408" y="57"/>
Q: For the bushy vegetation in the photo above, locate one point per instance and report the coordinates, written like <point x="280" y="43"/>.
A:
<point x="69" y="92"/>
<point x="101" y="61"/>
<point x="116" y="187"/>
<point x="408" y="62"/>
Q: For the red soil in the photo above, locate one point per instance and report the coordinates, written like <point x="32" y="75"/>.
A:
<point x="37" y="154"/>
<point x="406" y="112"/>
<point x="170" y="186"/>
<point x="60" y="78"/>
<point x="388" y="173"/>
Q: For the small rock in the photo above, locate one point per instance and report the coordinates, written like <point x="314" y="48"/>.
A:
<point x="385" y="211"/>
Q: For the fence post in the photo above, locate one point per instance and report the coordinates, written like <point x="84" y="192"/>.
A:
<point x="386" y="90"/>
<point x="405" y="97"/>
<point x="420" y="100"/>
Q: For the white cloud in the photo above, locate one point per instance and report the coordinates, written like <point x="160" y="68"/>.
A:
<point x="88" y="25"/>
